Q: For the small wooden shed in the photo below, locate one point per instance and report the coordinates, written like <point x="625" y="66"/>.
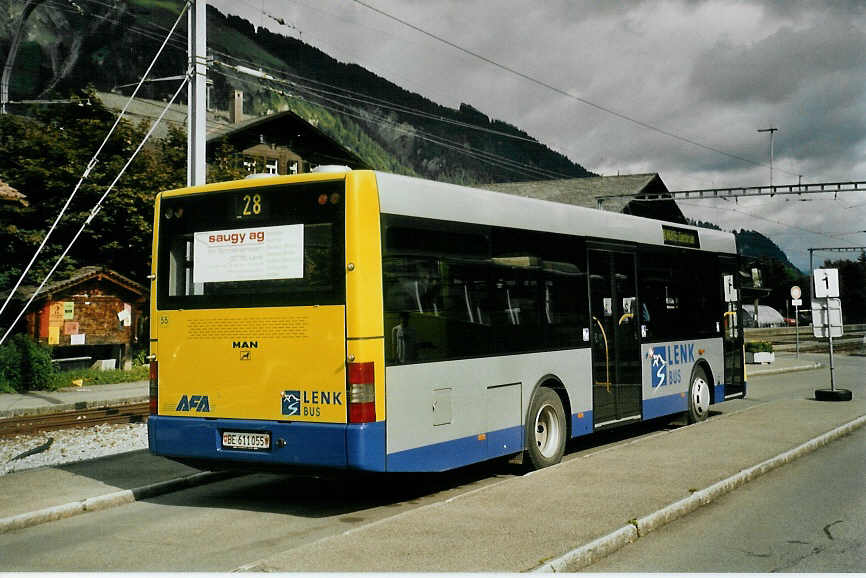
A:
<point x="96" y="316"/>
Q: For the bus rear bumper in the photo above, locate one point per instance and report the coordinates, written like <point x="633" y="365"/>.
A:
<point x="316" y="445"/>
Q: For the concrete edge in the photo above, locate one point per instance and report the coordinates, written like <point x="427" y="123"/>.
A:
<point x="111" y="500"/>
<point x="583" y="556"/>
<point x="780" y="370"/>
<point x="52" y="409"/>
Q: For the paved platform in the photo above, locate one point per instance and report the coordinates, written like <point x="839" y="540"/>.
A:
<point x="516" y="524"/>
<point x="42" y="402"/>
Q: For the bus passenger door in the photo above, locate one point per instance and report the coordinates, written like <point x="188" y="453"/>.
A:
<point x="616" y="367"/>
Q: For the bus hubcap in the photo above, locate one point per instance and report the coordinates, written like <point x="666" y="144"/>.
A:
<point x="547" y="431"/>
<point x="701" y="397"/>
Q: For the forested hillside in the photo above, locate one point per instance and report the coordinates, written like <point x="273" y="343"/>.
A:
<point x="109" y="45"/>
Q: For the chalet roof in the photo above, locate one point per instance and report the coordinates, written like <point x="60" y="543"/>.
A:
<point x="280" y="129"/>
<point x="9" y="194"/>
<point x="584" y="192"/>
<point x="78" y="277"/>
<point x="289" y="130"/>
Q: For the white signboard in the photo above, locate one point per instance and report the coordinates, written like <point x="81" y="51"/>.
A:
<point x="826" y="283"/>
<point x="730" y="292"/>
<point x="249" y="254"/>
<point x="827" y="317"/>
<point x="795" y="292"/>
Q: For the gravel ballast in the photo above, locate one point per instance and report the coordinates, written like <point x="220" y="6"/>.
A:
<point x="56" y="447"/>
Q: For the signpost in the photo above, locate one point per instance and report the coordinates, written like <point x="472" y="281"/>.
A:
<point x="827" y="322"/>
<point x="796" y="302"/>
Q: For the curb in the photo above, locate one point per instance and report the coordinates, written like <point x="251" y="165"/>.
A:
<point x="594" y="551"/>
<point x="779" y="370"/>
<point x="51" y="409"/>
<point x="111" y="500"/>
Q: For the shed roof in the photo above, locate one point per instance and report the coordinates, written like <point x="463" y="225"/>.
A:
<point x="8" y="194"/>
<point x="81" y="275"/>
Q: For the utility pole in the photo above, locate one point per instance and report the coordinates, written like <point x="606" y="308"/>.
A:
<point x="197" y="94"/>
<point x="772" y="130"/>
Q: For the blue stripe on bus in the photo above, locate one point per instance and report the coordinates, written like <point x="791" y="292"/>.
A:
<point x="719" y="394"/>
<point x="581" y="425"/>
<point x="456" y="453"/>
<point x="311" y="444"/>
<point x="365" y="443"/>
<point x="659" y="406"/>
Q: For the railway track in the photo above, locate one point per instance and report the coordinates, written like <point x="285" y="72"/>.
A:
<point x="130" y="413"/>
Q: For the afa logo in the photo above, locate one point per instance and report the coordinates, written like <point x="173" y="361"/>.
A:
<point x="291" y="402"/>
<point x="199" y="403"/>
<point x="658" y="367"/>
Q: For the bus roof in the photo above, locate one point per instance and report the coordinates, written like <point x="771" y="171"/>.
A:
<point x="413" y="197"/>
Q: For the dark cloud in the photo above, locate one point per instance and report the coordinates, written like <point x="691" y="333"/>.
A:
<point x="711" y="71"/>
<point x="775" y="68"/>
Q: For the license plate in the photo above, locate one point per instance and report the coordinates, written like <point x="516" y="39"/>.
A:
<point x="246" y="440"/>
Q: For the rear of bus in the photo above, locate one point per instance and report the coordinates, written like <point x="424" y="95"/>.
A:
<point x="257" y="360"/>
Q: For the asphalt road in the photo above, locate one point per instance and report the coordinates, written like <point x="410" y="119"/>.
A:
<point x="809" y="516"/>
<point x="222" y="526"/>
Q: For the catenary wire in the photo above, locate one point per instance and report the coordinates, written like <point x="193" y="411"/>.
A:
<point x="560" y="91"/>
<point x="90" y="166"/>
<point x="97" y="207"/>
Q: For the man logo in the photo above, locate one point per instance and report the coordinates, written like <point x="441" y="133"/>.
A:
<point x="291" y="402"/>
<point x="199" y="403"/>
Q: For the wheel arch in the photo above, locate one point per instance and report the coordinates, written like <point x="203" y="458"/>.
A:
<point x="703" y="364"/>
<point x="551" y="381"/>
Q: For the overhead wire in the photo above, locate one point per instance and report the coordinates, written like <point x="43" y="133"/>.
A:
<point x="97" y="207"/>
<point x="90" y="165"/>
<point x="560" y="91"/>
<point x="491" y="158"/>
<point x="775" y="221"/>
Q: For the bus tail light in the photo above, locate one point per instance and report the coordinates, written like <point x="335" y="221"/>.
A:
<point x="362" y="392"/>
<point x="154" y="385"/>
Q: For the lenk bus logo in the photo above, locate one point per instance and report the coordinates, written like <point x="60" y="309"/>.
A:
<point x="664" y="358"/>
<point x="291" y="402"/>
<point x="308" y="403"/>
<point x="199" y="403"/>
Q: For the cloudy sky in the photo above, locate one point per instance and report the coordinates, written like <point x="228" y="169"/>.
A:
<point x="709" y="72"/>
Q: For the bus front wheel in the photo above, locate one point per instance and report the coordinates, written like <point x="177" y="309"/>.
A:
<point x="545" y="429"/>
<point x="699" y="396"/>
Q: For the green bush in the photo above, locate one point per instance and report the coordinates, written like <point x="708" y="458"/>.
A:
<point x="759" y="346"/>
<point x="24" y="365"/>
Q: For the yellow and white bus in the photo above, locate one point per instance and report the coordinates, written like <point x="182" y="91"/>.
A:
<point x="363" y="320"/>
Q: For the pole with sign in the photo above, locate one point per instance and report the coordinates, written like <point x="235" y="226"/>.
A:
<point x="796" y="302"/>
<point x="828" y="323"/>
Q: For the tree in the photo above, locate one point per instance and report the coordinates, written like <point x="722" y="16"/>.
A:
<point x="45" y="154"/>
<point x="852" y="287"/>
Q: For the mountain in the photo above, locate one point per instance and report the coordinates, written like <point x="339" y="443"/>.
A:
<point x="757" y="245"/>
<point x="106" y="46"/>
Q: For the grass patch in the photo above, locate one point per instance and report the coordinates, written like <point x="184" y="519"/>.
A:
<point x="96" y="377"/>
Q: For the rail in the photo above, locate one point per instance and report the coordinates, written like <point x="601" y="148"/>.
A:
<point x="130" y="413"/>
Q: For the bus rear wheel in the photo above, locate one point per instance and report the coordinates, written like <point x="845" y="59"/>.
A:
<point x="699" y="396"/>
<point x="545" y="429"/>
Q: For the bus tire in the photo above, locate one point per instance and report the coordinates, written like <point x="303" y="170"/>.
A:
<point x="545" y="429"/>
<point x="699" y="396"/>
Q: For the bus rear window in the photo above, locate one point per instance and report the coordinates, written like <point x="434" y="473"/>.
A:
<point x="270" y="246"/>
